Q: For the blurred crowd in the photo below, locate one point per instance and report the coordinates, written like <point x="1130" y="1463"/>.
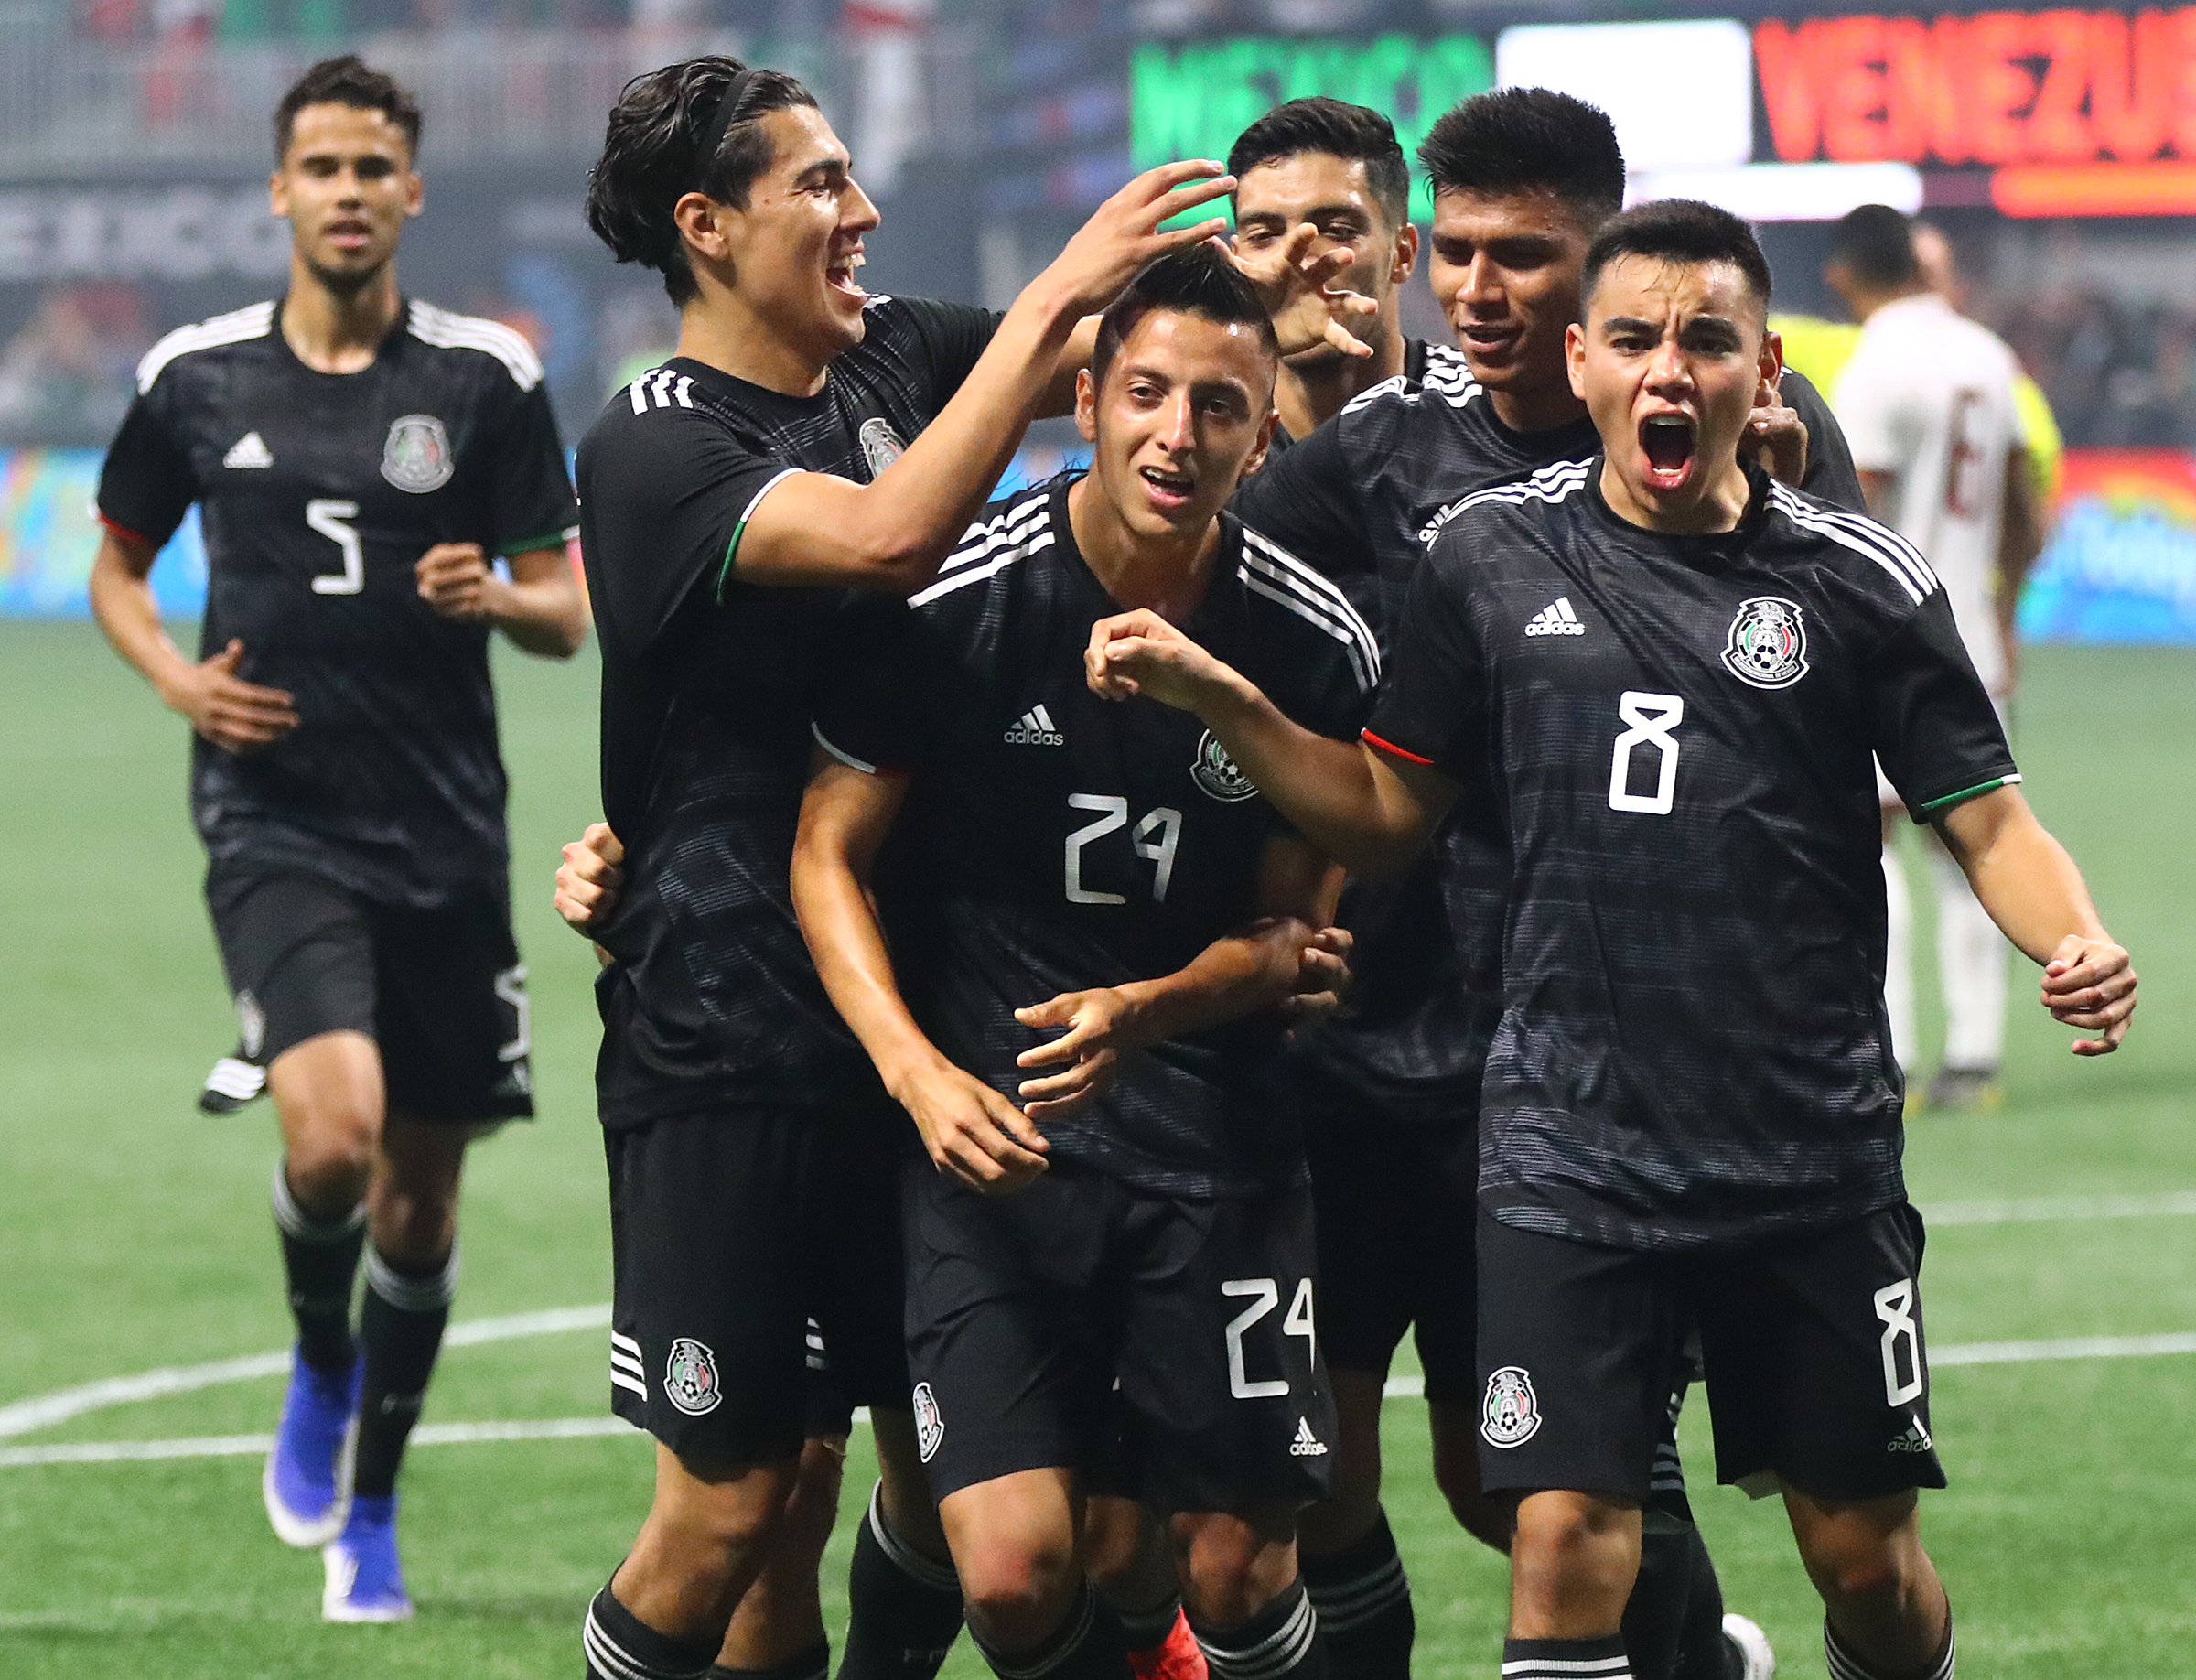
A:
<point x="2119" y="374"/>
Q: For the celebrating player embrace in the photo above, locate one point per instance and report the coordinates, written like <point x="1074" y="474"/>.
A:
<point x="1691" y="1109"/>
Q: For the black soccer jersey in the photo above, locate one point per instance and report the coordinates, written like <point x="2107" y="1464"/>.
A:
<point x="1693" y="1046"/>
<point x="1355" y="498"/>
<point x="709" y="685"/>
<point x="318" y="492"/>
<point x="1056" y="842"/>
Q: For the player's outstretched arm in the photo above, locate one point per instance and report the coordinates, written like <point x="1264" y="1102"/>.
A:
<point x="891" y="534"/>
<point x="234" y="715"/>
<point x="968" y="1129"/>
<point x="538" y="606"/>
<point x="1370" y="812"/>
<point x="1259" y="968"/>
<point x="2034" y="891"/>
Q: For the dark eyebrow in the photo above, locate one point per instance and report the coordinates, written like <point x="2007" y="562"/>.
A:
<point x="838" y="165"/>
<point x="1628" y="323"/>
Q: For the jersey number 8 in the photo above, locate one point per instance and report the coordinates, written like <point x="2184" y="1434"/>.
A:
<point x="1653" y="718"/>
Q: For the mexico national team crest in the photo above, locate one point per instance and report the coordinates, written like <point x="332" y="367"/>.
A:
<point x="1215" y="773"/>
<point x="1511" y="1415"/>
<point x="1767" y="643"/>
<point x="929" y="1422"/>
<point x="880" y="446"/>
<point x="417" y="455"/>
<point x="690" y="1379"/>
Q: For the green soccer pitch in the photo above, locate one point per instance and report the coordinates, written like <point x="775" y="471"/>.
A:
<point x="134" y="1236"/>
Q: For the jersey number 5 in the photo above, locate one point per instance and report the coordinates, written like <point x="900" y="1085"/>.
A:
<point x="327" y="517"/>
<point x="1653" y="718"/>
<point x="1154" y="840"/>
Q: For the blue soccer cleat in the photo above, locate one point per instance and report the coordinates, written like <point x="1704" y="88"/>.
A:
<point x="307" y="1482"/>
<point x="365" y="1582"/>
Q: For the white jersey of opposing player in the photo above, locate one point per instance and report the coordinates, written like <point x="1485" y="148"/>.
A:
<point x="1928" y="399"/>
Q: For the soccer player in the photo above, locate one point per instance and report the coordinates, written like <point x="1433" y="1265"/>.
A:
<point x="381" y="486"/>
<point x="1927" y="401"/>
<point x="1691" y="1109"/>
<point x="1093" y="923"/>
<point x="1521" y="178"/>
<point x="808" y="437"/>
<point x="1338" y="170"/>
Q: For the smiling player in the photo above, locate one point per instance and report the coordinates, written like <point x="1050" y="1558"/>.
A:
<point x="1691" y="1110"/>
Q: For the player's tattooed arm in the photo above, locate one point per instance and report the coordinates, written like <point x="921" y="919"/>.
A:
<point x="538" y="606"/>
<point x="1370" y="810"/>
<point x="589" y="882"/>
<point x="234" y="715"/>
<point x="1259" y="968"/>
<point x="2036" y="895"/>
<point x="967" y="1128"/>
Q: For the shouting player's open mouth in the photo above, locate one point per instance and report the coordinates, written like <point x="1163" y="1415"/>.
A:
<point x="839" y="273"/>
<point x="1666" y="440"/>
<point x="1169" y="492"/>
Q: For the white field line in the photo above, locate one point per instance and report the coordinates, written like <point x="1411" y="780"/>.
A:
<point x="44" y="1411"/>
<point x="570" y="1428"/>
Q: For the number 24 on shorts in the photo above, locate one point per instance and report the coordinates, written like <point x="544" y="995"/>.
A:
<point x="1265" y="1295"/>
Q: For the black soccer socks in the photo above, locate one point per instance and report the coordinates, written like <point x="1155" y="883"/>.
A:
<point x="1086" y="1646"/>
<point x="1147" y="1629"/>
<point x="1656" y="1615"/>
<point x="620" y="1646"/>
<point x="1364" y="1601"/>
<point x="1566" y="1659"/>
<point x="813" y="1665"/>
<point x="1280" y="1642"/>
<point x="401" y="1328"/>
<point x="903" y="1608"/>
<point x="320" y="1260"/>
<point x="1704" y="1651"/>
<point x="1845" y="1664"/>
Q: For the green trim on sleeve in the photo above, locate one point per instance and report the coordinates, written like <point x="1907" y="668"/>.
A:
<point x="526" y="545"/>
<point x="724" y="574"/>
<point x="1965" y="793"/>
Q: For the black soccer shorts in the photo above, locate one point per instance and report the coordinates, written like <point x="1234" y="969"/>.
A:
<point x="756" y="1269"/>
<point x="441" y="992"/>
<point x="1397" y="1203"/>
<point x="1817" y="1373"/>
<point x="1025" y="1309"/>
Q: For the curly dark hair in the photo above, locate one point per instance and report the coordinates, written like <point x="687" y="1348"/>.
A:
<point x="651" y="156"/>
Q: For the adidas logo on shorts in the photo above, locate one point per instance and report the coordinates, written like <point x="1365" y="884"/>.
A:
<point x="1556" y="618"/>
<point x="1307" y="1445"/>
<point x="1034" y="727"/>
<point x="1913" y="1439"/>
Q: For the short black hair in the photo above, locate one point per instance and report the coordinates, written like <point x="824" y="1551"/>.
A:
<point x="1678" y="230"/>
<point x="1198" y="280"/>
<point x="1340" y="130"/>
<point x="651" y="158"/>
<point x="1528" y="140"/>
<point x="1877" y="243"/>
<point x="345" y="80"/>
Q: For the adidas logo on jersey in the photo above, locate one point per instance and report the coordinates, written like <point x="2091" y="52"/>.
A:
<point x="1556" y="618"/>
<point x="1034" y="727"/>
<point x="248" y="451"/>
<point x="1307" y="1445"/>
<point x="1913" y="1439"/>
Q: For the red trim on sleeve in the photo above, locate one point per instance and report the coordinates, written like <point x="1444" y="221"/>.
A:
<point x="1401" y="752"/>
<point x="122" y="531"/>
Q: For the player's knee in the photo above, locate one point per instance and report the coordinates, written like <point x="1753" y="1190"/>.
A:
<point x="1017" y="1594"/>
<point x="1574" y="1545"/>
<point x="1862" y="1569"/>
<point x="330" y="1161"/>
<point x="1231" y="1567"/>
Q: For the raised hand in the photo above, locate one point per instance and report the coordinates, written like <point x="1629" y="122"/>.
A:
<point x="1140" y="653"/>
<point x="1777" y="437"/>
<point x="2090" y="983"/>
<point x="1297" y="289"/>
<point x="590" y="879"/>
<point x="235" y="716"/>
<point x="1087" y="1054"/>
<point x="1123" y="234"/>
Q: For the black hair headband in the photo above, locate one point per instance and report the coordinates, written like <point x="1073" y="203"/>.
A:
<point x="720" y="119"/>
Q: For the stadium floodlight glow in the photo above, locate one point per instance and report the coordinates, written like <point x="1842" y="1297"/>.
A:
<point x="1633" y="69"/>
<point x="1786" y="192"/>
